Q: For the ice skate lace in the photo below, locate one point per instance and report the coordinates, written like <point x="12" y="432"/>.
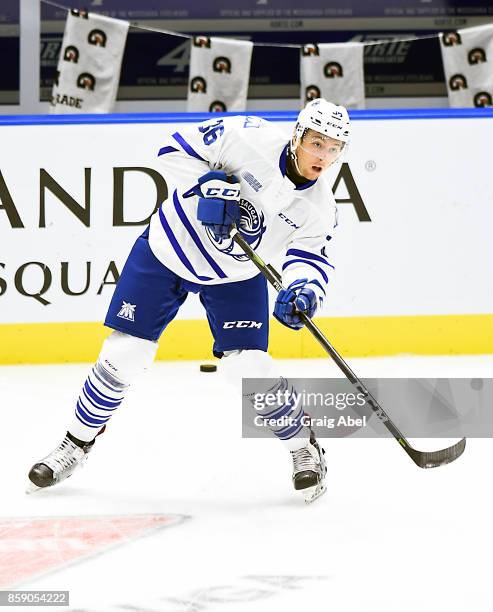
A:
<point x="303" y="460"/>
<point x="64" y="456"/>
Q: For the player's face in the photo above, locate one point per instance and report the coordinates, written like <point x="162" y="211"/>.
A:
<point x="316" y="152"/>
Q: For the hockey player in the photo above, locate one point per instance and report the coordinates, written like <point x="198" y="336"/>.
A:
<point x="229" y="170"/>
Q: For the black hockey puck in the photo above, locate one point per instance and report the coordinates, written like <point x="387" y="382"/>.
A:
<point x="208" y="367"/>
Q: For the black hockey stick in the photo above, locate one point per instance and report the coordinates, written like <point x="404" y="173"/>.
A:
<point x="423" y="459"/>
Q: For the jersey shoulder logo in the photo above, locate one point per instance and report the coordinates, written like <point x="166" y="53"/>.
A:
<point x="251" y="180"/>
<point x="127" y="311"/>
<point x="252" y="228"/>
<point x="253" y="122"/>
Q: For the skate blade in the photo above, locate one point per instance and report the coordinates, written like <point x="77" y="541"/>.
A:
<point x="32" y="488"/>
<point x="313" y="493"/>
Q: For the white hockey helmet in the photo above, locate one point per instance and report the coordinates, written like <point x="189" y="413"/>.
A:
<point x="324" y="117"/>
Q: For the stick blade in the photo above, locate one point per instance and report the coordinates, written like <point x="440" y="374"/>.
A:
<point x="432" y="459"/>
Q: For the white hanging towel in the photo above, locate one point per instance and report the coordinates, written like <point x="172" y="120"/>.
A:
<point x="333" y="71"/>
<point x="219" y="74"/>
<point x="468" y="64"/>
<point x="89" y="64"/>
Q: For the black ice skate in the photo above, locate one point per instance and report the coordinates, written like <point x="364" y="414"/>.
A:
<point x="309" y="469"/>
<point x="69" y="455"/>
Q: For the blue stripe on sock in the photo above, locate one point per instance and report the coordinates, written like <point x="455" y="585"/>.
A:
<point x="103" y="382"/>
<point x="110" y="380"/>
<point x="289" y="432"/>
<point x="295" y="423"/>
<point x="93" y="393"/>
<point x="84" y="423"/>
<point x="84" y="396"/>
<point x="279" y="411"/>
<point x="79" y="410"/>
<point x="94" y="387"/>
<point x="85" y="409"/>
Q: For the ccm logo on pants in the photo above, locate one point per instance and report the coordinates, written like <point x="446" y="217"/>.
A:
<point x="247" y="324"/>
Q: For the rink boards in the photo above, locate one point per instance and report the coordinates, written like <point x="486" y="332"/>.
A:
<point x="412" y="251"/>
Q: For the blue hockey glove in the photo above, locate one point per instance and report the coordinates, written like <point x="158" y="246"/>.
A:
<point x="219" y="206"/>
<point x="298" y="297"/>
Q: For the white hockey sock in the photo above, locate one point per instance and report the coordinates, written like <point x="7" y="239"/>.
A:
<point x="101" y="395"/>
<point x="259" y="364"/>
<point x="122" y="359"/>
<point x="289" y="416"/>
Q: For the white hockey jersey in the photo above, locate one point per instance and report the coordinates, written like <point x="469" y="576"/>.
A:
<point x="277" y="217"/>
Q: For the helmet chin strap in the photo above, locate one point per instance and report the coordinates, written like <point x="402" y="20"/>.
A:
<point x="294" y="157"/>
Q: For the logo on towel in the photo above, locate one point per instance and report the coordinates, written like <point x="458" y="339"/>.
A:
<point x="312" y="92"/>
<point x="97" y="37"/>
<point x="452" y="38"/>
<point x="86" y="81"/>
<point x="198" y="85"/>
<point x="333" y="69"/>
<point x="217" y="107"/>
<point x="127" y="311"/>
<point x="476" y="56"/>
<point x="221" y="64"/>
<point x="458" y="81"/>
<point x="79" y="13"/>
<point x="71" y="54"/>
<point x="310" y="49"/>
<point x="483" y="98"/>
<point x="64" y="100"/>
<point x="252" y="228"/>
<point x="202" y="41"/>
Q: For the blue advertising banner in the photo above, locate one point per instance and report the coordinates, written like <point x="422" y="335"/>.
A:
<point x="10" y="51"/>
<point x="155" y="65"/>
<point x="258" y="9"/>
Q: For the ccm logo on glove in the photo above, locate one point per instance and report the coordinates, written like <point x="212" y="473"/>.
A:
<point x="212" y="192"/>
<point x="219" y="207"/>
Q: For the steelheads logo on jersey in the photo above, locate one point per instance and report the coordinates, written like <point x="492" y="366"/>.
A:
<point x="252" y="228"/>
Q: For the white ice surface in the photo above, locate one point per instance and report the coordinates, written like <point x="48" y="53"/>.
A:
<point x="386" y="537"/>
